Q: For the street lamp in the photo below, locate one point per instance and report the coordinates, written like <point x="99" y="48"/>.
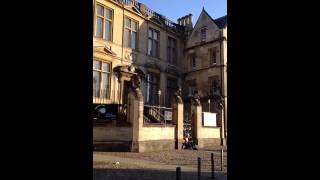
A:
<point x="223" y="131"/>
<point x="159" y="93"/>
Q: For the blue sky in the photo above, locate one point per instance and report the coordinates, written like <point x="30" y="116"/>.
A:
<point x="174" y="9"/>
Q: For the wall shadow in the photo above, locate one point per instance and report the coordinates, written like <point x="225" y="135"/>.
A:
<point x="147" y="174"/>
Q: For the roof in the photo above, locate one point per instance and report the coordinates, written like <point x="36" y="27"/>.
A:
<point x="221" y="21"/>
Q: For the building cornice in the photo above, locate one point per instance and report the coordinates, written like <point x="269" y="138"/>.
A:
<point x="206" y="68"/>
<point x="128" y="8"/>
<point x="208" y="42"/>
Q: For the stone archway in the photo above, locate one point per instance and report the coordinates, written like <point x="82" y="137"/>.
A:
<point x="126" y="77"/>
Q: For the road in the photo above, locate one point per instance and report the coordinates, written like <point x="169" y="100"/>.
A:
<point x="155" y="166"/>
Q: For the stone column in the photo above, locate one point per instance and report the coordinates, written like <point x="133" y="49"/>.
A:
<point x="177" y="116"/>
<point x="196" y="110"/>
<point x="136" y="117"/>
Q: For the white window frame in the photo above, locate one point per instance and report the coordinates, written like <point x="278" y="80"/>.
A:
<point x="104" y="19"/>
<point x="100" y="71"/>
<point x="130" y="31"/>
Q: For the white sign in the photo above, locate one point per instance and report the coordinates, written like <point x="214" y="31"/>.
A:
<point x="209" y="119"/>
<point x="167" y="115"/>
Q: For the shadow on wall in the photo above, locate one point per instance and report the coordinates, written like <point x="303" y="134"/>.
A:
<point x="147" y="174"/>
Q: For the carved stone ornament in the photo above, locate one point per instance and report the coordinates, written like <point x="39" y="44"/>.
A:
<point x="136" y="86"/>
<point x="195" y="99"/>
<point x="178" y="96"/>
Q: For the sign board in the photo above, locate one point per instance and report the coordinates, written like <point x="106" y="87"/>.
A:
<point x="209" y="119"/>
<point x="167" y="115"/>
<point x="105" y="112"/>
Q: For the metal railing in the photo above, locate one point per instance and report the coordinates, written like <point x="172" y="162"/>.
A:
<point x="150" y="13"/>
<point x="131" y="2"/>
<point x="156" y="115"/>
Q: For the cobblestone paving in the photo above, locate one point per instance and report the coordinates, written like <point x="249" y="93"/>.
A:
<point x="155" y="165"/>
<point x="177" y="157"/>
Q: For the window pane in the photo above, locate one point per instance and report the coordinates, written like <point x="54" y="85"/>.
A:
<point x="96" y="82"/>
<point x="150" y="33"/>
<point x="203" y="34"/>
<point x="149" y="46"/>
<point x="134" y="25"/>
<point x="169" y="54"/>
<point x="104" y="85"/>
<point x="127" y="22"/>
<point x="155" y="35"/>
<point x="133" y="40"/>
<point x="96" y="65"/>
<point x="155" y="79"/>
<point x="100" y="10"/>
<point x="108" y="13"/>
<point x="107" y="31"/>
<point x="106" y="67"/>
<point x="174" y="56"/>
<point x="174" y="43"/>
<point x="193" y="61"/>
<point x="155" y="48"/>
<point x="99" y="33"/>
<point x="171" y="83"/>
<point x="126" y="38"/>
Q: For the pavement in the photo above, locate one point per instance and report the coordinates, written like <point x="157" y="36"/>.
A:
<point x="105" y="167"/>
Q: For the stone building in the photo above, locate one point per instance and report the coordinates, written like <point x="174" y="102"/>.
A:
<point x="205" y="66"/>
<point x="134" y="47"/>
<point x="130" y="33"/>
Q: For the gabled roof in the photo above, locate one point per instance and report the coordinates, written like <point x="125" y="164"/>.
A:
<point x="221" y="21"/>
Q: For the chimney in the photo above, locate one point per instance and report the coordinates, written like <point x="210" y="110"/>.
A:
<point x="186" y="21"/>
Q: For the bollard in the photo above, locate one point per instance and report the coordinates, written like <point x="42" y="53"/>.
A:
<point x="212" y="166"/>
<point x="178" y="173"/>
<point x="199" y="168"/>
<point x="221" y="159"/>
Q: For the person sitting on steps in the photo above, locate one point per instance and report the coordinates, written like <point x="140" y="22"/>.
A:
<point x="188" y="143"/>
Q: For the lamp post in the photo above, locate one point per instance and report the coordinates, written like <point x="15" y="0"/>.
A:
<point x="221" y="104"/>
<point x="159" y="93"/>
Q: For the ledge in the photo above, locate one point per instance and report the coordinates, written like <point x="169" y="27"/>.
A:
<point x="159" y="125"/>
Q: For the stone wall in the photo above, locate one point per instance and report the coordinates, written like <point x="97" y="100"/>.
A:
<point x="112" y="133"/>
<point x="204" y="136"/>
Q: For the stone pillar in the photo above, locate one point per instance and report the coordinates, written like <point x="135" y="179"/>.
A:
<point x="196" y="111"/>
<point x="178" y="120"/>
<point x="136" y="117"/>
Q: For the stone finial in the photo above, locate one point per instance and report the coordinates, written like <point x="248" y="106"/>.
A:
<point x="136" y="86"/>
<point x="178" y="96"/>
<point x="196" y="98"/>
